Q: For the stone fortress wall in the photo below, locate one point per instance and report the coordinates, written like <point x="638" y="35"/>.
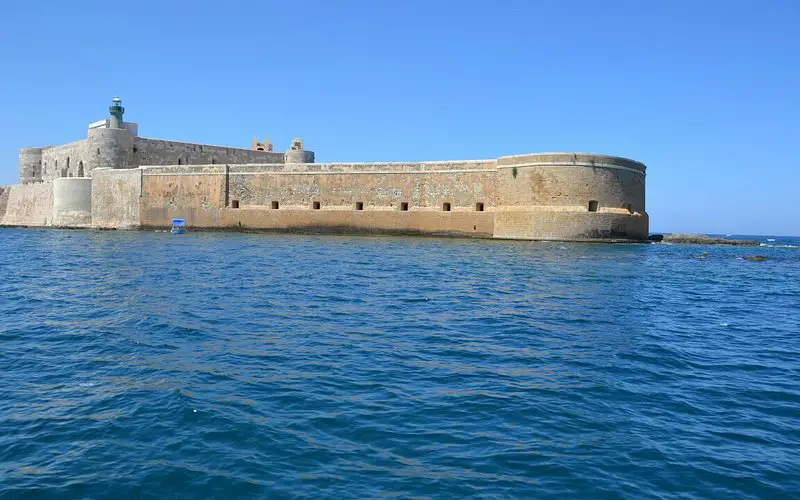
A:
<point x="115" y="179"/>
<point x="119" y="148"/>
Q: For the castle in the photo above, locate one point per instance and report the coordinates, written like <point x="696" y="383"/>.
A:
<point x="115" y="179"/>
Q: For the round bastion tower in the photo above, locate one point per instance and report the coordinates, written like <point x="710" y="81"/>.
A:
<point x="30" y="165"/>
<point x="570" y="196"/>
<point x="298" y="154"/>
<point x="111" y="146"/>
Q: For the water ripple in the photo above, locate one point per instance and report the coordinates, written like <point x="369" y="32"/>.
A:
<point x="230" y="365"/>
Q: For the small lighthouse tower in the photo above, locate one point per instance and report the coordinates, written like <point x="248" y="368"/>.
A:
<point x="116" y="111"/>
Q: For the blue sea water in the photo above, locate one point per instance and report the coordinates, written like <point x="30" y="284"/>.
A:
<point x="146" y="365"/>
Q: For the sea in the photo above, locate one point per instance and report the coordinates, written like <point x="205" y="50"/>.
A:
<point x="233" y="365"/>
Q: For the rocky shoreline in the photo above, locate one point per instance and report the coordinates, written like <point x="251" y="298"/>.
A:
<point x="700" y="239"/>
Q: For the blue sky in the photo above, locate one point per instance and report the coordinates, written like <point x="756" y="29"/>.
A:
<point x="706" y="92"/>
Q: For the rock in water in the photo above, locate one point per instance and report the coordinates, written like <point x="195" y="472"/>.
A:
<point x="702" y="239"/>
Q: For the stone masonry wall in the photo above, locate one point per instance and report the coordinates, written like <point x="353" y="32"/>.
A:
<point x="158" y="152"/>
<point x="116" y="196"/>
<point x="555" y="181"/>
<point x="29" y="205"/>
<point x="541" y="196"/>
<point x="4" y="192"/>
<point x="545" y="224"/>
<point x="377" y="186"/>
<point x="194" y="193"/>
<point x="72" y="202"/>
<point x="65" y="160"/>
<point x="243" y="195"/>
<point x="112" y="148"/>
<point x="570" y="197"/>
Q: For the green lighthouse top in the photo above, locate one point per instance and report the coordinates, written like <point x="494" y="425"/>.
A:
<point x="116" y="109"/>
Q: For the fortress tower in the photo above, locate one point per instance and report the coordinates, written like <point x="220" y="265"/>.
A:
<point x="30" y="165"/>
<point x="111" y="141"/>
<point x="297" y="152"/>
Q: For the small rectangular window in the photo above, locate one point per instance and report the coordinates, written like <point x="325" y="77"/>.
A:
<point x="316" y="205"/>
<point x="593" y="205"/>
<point x="235" y="204"/>
<point x="359" y="205"/>
<point x="275" y="205"/>
<point x="404" y="206"/>
<point x="479" y="206"/>
<point x="446" y="206"/>
<point x="629" y="207"/>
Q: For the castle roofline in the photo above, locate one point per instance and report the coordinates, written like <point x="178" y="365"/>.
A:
<point x="574" y="157"/>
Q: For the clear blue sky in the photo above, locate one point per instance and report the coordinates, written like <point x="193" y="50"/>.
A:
<point x="706" y="92"/>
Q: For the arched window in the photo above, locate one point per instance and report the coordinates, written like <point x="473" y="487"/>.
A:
<point x="67" y="162"/>
<point x="80" y="169"/>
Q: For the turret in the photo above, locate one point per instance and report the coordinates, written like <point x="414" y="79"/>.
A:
<point x="30" y="165"/>
<point x="298" y="154"/>
<point x="261" y="146"/>
<point x="111" y="146"/>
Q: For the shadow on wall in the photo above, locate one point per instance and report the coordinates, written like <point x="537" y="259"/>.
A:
<point x="3" y="201"/>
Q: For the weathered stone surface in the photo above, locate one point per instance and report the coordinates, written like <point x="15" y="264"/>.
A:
<point x="4" y="192"/>
<point x="29" y="205"/>
<point x="481" y="199"/>
<point x="580" y="202"/>
<point x="120" y="148"/>
<point x="142" y="182"/>
<point x="115" y="198"/>
<point x="72" y="202"/>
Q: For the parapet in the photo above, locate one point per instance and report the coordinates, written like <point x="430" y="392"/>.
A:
<point x="570" y="159"/>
